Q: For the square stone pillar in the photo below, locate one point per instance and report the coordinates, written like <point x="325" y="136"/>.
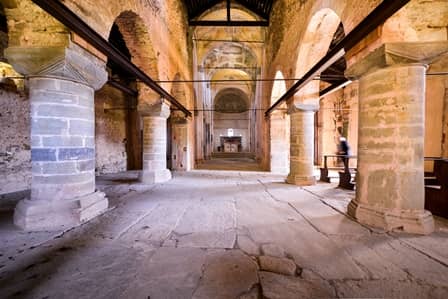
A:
<point x="62" y="138"/>
<point x="390" y="178"/>
<point x="180" y="149"/>
<point x="302" y="145"/>
<point x="155" y="144"/>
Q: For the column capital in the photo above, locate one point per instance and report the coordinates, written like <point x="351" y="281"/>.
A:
<point x="178" y="117"/>
<point x="401" y="53"/>
<point x="300" y="107"/>
<point x="161" y="109"/>
<point x="66" y="62"/>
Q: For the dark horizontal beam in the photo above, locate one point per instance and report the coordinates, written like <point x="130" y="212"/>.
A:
<point x="74" y="23"/>
<point x="229" y="23"/>
<point x="378" y="16"/>
<point x="120" y="86"/>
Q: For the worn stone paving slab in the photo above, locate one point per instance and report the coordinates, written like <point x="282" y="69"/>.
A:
<point x="227" y="274"/>
<point x="435" y="244"/>
<point x="276" y="286"/>
<point x="278" y="223"/>
<point x="171" y="273"/>
<point x="207" y="224"/>
<point x="246" y="244"/>
<point x="62" y="270"/>
<point x="326" y="219"/>
<point x="156" y="227"/>
<point x="369" y="259"/>
<point x="417" y="265"/>
<point x="389" y="288"/>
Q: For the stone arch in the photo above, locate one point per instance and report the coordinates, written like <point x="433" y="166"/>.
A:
<point x="279" y="123"/>
<point x="231" y="100"/>
<point x="314" y="45"/>
<point x="136" y="35"/>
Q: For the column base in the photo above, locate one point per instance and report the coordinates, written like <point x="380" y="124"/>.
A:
<point x="410" y="221"/>
<point x="301" y="180"/>
<point x="38" y="215"/>
<point x="155" y="176"/>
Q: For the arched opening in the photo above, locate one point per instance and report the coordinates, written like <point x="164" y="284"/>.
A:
<point x="338" y="114"/>
<point x="313" y="47"/>
<point x="231" y="121"/>
<point x="304" y="140"/>
<point x="119" y="133"/>
<point x="279" y="129"/>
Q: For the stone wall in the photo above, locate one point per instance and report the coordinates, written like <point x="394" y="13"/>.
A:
<point x="15" y="154"/>
<point x="110" y="130"/>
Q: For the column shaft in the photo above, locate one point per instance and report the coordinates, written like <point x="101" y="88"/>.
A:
<point x="302" y="148"/>
<point x="62" y="156"/>
<point x="390" y="179"/>
<point x="154" y="146"/>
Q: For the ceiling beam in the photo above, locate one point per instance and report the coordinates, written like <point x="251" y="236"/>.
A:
<point x="74" y="23"/>
<point x="378" y="16"/>
<point x="229" y="23"/>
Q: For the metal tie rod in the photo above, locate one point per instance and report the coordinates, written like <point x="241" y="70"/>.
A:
<point x="378" y="16"/>
<point x="74" y="23"/>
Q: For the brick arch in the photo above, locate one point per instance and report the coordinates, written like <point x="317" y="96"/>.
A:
<point x="138" y="41"/>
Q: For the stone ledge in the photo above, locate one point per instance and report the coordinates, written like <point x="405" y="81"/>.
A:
<point x="410" y="221"/>
<point x="39" y="215"/>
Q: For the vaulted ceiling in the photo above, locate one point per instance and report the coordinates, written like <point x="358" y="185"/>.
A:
<point x="260" y="7"/>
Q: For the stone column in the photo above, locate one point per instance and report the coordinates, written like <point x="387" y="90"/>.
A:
<point x="154" y="144"/>
<point x="180" y="149"/>
<point x="390" y="178"/>
<point x="279" y="149"/>
<point x="62" y="138"/>
<point x="302" y="145"/>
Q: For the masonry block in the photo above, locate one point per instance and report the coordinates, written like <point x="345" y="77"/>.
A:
<point x="49" y="126"/>
<point x="62" y="141"/>
<point x="43" y="154"/>
<point x="76" y="154"/>
<point x="81" y="127"/>
<point x="65" y="111"/>
<point x="41" y="96"/>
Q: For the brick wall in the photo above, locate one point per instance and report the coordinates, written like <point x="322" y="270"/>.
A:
<point x="110" y="130"/>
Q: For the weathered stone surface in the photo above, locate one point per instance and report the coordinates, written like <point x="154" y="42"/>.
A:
<point x="207" y="224"/>
<point x="169" y="273"/>
<point x="387" y="265"/>
<point x="277" y="265"/>
<point x="389" y="289"/>
<point x="272" y="250"/>
<point x="227" y="274"/>
<point x="247" y="245"/>
<point x="277" y="286"/>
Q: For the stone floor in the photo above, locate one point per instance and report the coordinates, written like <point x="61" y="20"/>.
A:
<point x="222" y="234"/>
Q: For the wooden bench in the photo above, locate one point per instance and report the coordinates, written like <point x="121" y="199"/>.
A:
<point x="345" y="173"/>
<point x="436" y="187"/>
